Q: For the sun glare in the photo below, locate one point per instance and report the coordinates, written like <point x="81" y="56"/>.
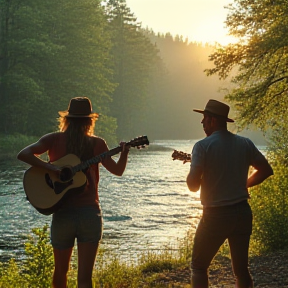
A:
<point x="209" y="33"/>
<point x="197" y="20"/>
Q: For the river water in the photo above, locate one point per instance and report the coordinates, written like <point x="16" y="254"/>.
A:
<point x="149" y="206"/>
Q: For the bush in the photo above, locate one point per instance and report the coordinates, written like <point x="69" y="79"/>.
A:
<point x="270" y="212"/>
<point x="10" y="276"/>
<point x="36" y="270"/>
<point x="39" y="264"/>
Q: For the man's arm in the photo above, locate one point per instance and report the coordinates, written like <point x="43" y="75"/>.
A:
<point x="193" y="179"/>
<point x="262" y="172"/>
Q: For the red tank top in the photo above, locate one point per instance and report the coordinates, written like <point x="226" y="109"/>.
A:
<point x="90" y="196"/>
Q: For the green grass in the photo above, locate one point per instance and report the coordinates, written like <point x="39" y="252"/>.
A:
<point x="36" y="270"/>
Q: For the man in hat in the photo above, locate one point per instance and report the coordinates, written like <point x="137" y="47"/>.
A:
<point x="220" y="166"/>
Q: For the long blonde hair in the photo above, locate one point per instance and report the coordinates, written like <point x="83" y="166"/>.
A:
<point x="79" y="132"/>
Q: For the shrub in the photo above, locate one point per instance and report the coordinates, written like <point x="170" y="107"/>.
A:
<point x="36" y="269"/>
<point x="270" y="212"/>
<point x="10" y="276"/>
<point x="38" y="265"/>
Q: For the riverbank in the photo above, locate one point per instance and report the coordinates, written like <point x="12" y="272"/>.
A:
<point x="268" y="271"/>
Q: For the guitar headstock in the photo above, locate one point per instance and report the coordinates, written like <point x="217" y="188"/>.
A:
<point x="182" y="156"/>
<point x="139" y="142"/>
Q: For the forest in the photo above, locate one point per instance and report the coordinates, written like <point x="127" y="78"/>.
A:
<point x="141" y="83"/>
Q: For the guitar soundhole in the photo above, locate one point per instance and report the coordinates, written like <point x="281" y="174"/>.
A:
<point x="66" y="174"/>
<point x="49" y="181"/>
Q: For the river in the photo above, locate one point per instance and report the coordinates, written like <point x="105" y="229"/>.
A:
<point x="149" y="206"/>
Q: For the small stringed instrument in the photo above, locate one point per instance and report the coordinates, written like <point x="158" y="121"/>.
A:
<point x="182" y="156"/>
<point x="46" y="192"/>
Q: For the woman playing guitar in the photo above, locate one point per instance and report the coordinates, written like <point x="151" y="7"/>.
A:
<point x="79" y="217"/>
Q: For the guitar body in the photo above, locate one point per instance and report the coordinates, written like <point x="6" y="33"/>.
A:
<point x="46" y="192"/>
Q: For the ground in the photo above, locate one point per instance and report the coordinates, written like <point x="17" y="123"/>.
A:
<point x="268" y="271"/>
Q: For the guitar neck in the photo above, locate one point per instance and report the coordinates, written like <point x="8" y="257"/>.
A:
<point x="97" y="159"/>
<point x="138" y="142"/>
<point x="182" y="156"/>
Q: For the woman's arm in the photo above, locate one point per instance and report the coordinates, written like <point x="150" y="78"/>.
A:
<point x="29" y="154"/>
<point x="116" y="168"/>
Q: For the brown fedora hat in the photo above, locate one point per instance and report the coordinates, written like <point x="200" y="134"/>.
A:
<point x="216" y="108"/>
<point x="79" y="107"/>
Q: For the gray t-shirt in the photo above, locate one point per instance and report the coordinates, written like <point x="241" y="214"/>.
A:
<point x="224" y="160"/>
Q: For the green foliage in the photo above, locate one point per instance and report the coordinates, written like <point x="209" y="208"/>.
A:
<point x="11" y="144"/>
<point x="153" y="262"/>
<point x="36" y="269"/>
<point x="257" y="63"/>
<point x="117" y="274"/>
<point x="171" y="257"/>
<point x="134" y="57"/>
<point x="10" y="275"/>
<point x="49" y="53"/>
<point x="39" y="264"/>
<point x="106" y="128"/>
<point x="269" y="203"/>
<point x="279" y="139"/>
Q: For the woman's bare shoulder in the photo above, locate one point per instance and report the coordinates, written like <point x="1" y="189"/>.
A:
<point x="50" y="136"/>
<point x="98" y="141"/>
<point x="99" y="144"/>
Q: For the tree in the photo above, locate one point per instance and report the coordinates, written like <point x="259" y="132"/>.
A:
<point x="258" y="63"/>
<point x="82" y="67"/>
<point x="134" y="58"/>
<point x="52" y="51"/>
<point x="22" y="42"/>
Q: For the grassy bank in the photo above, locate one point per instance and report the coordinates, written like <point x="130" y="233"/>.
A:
<point x="166" y="268"/>
<point x="36" y="269"/>
<point x="10" y="145"/>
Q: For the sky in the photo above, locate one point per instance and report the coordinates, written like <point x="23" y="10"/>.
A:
<point x="198" y="20"/>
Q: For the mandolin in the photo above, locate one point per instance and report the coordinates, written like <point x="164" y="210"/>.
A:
<point x="46" y="192"/>
<point x="182" y="156"/>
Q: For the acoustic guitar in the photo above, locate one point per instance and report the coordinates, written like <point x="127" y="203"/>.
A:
<point x="46" y="192"/>
<point x="182" y="156"/>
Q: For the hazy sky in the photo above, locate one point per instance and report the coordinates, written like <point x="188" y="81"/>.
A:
<point x="199" y="20"/>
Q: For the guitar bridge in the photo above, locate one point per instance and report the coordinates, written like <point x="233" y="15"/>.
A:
<point x="60" y="186"/>
<point x="57" y="186"/>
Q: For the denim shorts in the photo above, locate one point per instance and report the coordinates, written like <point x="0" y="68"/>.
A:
<point x="81" y="223"/>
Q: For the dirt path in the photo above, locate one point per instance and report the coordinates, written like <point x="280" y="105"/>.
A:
<point x="268" y="271"/>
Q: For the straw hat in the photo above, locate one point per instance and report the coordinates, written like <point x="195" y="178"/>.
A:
<point x="79" y="107"/>
<point x="216" y="108"/>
